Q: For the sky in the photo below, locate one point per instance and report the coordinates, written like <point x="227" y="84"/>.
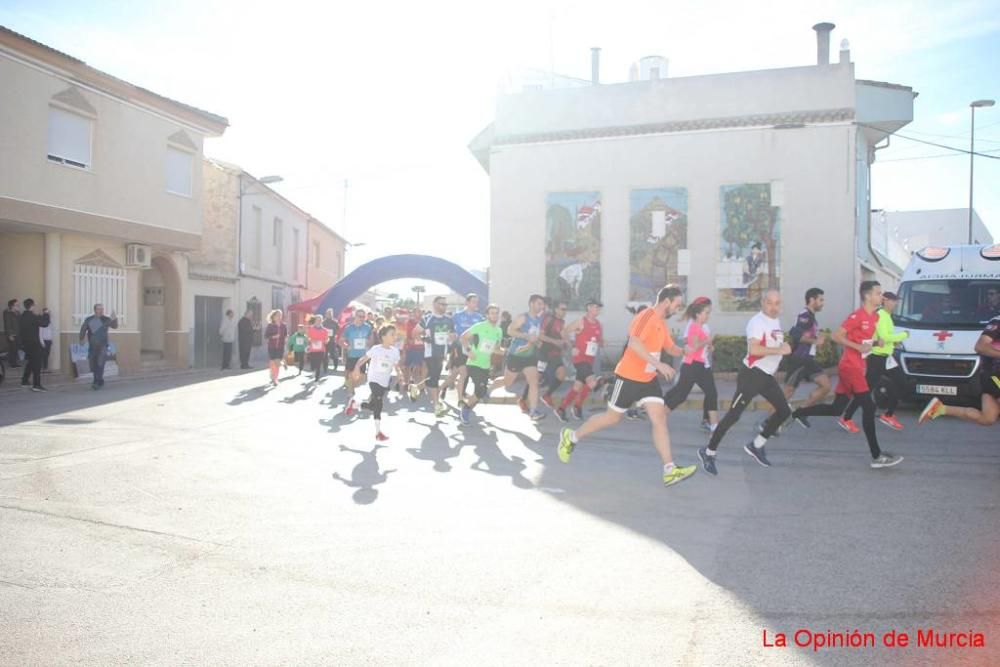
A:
<point x="386" y="96"/>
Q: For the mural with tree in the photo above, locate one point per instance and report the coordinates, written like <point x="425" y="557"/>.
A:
<point x="573" y="247"/>
<point x="658" y="252"/>
<point x="750" y="245"/>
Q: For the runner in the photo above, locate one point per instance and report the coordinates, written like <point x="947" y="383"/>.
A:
<point x="480" y="340"/>
<point x="589" y="338"/>
<point x="856" y="334"/>
<point x="765" y="347"/>
<point x="988" y="349"/>
<point x="318" y="337"/>
<point x="522" y="355"/>
<point x="801" y="364"/>
<point x="275" y="333"/>
<point x="382" y="360"/>
<point x="356" y="338"/>
<point x="882" y="370"/>
<point x="551" y="368"/>
<point x="332" y="349"/>
<point x="438" y="332"/>
<point x="697" y="366"/>
<point x="635" y="382"/>
<point x="458" y="375"/>
<point x="297" y="344"/>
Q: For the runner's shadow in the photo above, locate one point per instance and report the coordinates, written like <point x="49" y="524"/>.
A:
<point x="251" y="394"/>
<point x="493" y="461"/>
<point x="306" y="392"/>
<point x="435" y="447"/>
<point x="365" y="476"/>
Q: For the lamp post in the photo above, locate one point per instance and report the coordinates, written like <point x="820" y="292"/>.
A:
<point x="972" y="152"/>
<point x="418" y="290"/>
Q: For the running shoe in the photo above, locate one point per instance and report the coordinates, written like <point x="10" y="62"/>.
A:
<point x="440" y="410"/>
<point x="537" y="415"/>
<point x="678" y="474"/>
<point x="707" y="461"/>
<point x="886" y="460"/>
<point x="566" y="445"/>
<point x="848" y="425"/>
<point x="414" y="393"/>
<point x="706" y="425"/>
<point x="935" y="408"/>
<point x="523" y="404"/>
<point x="803" y="421"/>
<point x="466" y="415"/>
<point x="349" y="410"/>
<point x="891" y="422"/>
<point x="39" y="388"/>
<point x="381" y="437"/>
<point x="547" y="400"/>
<point x="577" y="412"/>
<point x="561" y="415"/>
<point x="757" y="454"/>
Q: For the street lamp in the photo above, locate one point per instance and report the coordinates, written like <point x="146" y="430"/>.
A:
<point x="418" y="290"/>
<point x="972" y="152"/>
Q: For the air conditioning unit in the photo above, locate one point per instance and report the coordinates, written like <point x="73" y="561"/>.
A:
<point x="138" y="255"/>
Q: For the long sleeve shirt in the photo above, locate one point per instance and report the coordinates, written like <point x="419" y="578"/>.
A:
<point x="95" y="329"/>
<point x="30" y="324"/>
<point x="886" y="331"/>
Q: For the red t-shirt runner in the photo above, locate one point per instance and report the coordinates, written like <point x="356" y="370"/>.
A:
<point x="588" y="340"/>
<point x="860" y="328"/>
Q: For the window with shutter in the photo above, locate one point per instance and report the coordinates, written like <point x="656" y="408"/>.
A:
<point x="69" y="138"/>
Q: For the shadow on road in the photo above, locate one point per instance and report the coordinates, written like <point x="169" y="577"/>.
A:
<point x="435" y="447"/>
<point x="365" y="476"/>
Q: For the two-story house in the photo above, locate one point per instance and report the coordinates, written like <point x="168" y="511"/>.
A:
<point x="100" y="196"/>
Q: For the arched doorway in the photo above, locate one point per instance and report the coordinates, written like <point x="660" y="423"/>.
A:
<point x="394" y="267"/>
<point x="164" y="341"/>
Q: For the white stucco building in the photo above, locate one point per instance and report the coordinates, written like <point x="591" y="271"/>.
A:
<point x="655" y="172"/>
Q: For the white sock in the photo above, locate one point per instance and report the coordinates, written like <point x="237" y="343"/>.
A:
<point x="759" y="441"/>
<point x="710" y="452"/>
<point x="668" y="468"/>
<point x="378" y="425"/>
<point x="572" y="437"/>
<point x="712" y="427"/>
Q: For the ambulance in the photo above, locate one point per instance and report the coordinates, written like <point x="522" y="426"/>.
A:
<point x="946" y="297"/>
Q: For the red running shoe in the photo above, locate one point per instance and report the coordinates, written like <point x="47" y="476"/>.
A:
<point x="891" y="422"/>
<point x="848" y="425"/>
<point x="349" y="410"/>
<point x="381" y="437"/>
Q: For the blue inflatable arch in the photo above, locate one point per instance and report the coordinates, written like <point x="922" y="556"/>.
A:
<point x="394" y="267"/>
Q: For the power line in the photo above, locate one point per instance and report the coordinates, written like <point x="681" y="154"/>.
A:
<point x="931" y="157"/>
<point x="929" y="143"/>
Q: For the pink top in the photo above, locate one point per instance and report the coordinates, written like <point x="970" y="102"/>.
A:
<point x="317" y="338"/>
<point x="695" y="334"/>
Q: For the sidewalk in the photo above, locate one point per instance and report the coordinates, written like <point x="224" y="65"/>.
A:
<point x="59" y="381"/>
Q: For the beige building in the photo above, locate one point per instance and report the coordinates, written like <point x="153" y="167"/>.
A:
<point x="326" y="258"/>
<point x="100" y="197"/>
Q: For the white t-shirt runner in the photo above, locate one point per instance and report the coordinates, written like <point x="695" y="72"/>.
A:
<point x="382" y="360"/>
<point x="766" y="331"/>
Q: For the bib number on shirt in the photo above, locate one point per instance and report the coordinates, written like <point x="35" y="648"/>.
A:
<point x="440" y="337"/>
<point x="428" y="350"/>
<point x="316" y="346"/>
<point x="867" y="341"/>
<point x="384" y="366"/>
<point x="486" y="346"/>
<point x="358" y="344"/>
<point x="591" y="350"/>
<point x="542" y="365"/>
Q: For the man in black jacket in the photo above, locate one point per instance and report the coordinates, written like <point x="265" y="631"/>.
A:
<point x="31" y="342"/>
<point x="245" y="330"/>
<point x="11" y="329"/>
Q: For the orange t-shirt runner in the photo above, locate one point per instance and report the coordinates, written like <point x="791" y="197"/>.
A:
<point x="652" y="331"/>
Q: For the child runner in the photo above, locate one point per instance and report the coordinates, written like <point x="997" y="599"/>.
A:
<point x="356" y="338"/>
<point x="697" y="366"/>
<point x="480" y="340"/>
<point x="589" y="339"/>
<point x="275" y="333"/>
<point x="382" y="360"/>
<point x="318" y="337"/>
<point x="297" y="343"/>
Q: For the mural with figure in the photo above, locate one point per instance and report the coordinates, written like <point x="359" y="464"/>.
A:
<point x="573" y="247"/>
<point x="750" y="244"/>
<point x="658" y="252"/>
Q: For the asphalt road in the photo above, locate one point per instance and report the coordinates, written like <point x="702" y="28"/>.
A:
<point x="208" y="520"/>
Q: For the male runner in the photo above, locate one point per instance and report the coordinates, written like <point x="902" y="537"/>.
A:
<point x="457" y="373"/>
<point x="413" y="368"/>
<point x="551" y="370"/>
<point x="481" y="339"/>
<point x="988" y="349"/>
<point x="438" y="332"/>
<point x="589" y="338"/>
<point x="522" y="355"/>
<point x="635" y="382"/>
<point x="356" y="339"/>
<point x="857" y="334"/>
<point x="881" y="364"/>
<point x="765" y="347"/>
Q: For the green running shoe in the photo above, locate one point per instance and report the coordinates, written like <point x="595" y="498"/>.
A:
<point x="566" y="446"/>
<point x="440" y="410"/>
<point x="678" y="474"/>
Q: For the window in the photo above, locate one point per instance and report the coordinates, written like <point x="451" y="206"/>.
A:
<point x="316" y="254"/>
<point x="295" y="254"/>
<point x="277" y="298"/>
<point x="69" y="138"/>
<point x="179" y="170"/>
<point x="278" y="250"/>
<point x="257" y="239"/>
<point x="93" y="284"/>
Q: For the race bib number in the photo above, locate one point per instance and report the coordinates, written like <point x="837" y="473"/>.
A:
<point x="384" y="366"/>
<point x="440" y="337"/>
<point x="542" y="365"/>
<point x="868" y="341"/>
<point x="487" y="346"/>
<point x="591" y="348"/>
<point x="428" y="350"/>
<point x="890" y="362"/>
<point x="812" y="350"/>
<point x="316" y="346"/>
<point x="359" y="344"/>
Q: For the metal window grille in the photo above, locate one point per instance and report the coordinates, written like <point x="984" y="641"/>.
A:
<point x="94" y="284"/>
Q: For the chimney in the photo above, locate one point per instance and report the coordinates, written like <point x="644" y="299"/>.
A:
<point x="845" y="52"/>
<point x="823" y="42"/>
<point x="595" y="65"/>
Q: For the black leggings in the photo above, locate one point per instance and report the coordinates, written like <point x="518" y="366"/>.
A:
<point x="316" y="363"/>
<point x="374" y="402"/>
<point x="836" y="409"/>
<point x="693" y="374"/>
<point x="749" y="383"/>
<point x="878" y="376"/>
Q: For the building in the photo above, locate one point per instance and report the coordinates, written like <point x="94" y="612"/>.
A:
<point x="100" y="197"/>
<point x="726" y="184"/>
<point x="326" y="258"/>
<point x="914" y="230"/>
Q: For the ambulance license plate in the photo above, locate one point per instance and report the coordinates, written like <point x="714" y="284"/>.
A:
<point x="937" y="390"/>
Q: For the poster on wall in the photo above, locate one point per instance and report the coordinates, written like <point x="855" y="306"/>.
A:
<point x="81" y="364"/>
<point x="750" y="244"/>
<point x="658" y="252"/>
<point x="573" y="247"/>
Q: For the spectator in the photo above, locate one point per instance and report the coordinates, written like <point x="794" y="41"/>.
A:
<point x="227" y="330"/>
<point x="45" y="333"/>
<point x="11" y="328"/>
<point x="32" y="343"/>
<point x="276" y="333"/>
<point x="95" y="331"/>
<point x="246" y="328"/>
